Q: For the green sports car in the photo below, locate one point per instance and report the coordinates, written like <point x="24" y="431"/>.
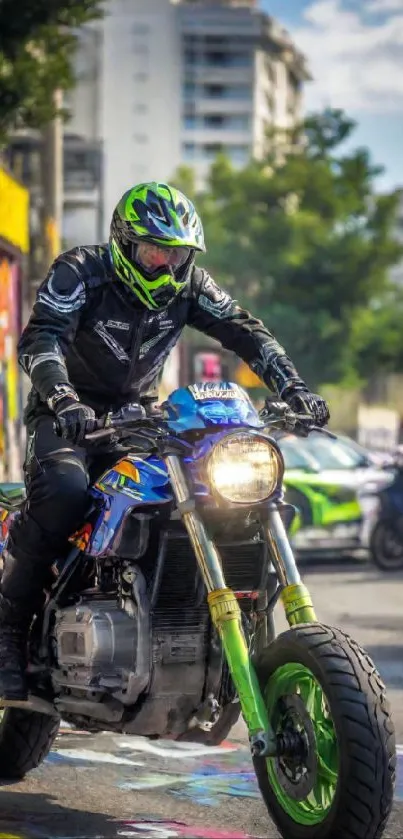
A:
<point x="326" y="480"/>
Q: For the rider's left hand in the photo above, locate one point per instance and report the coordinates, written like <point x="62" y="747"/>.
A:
<point x="305" y="402"/>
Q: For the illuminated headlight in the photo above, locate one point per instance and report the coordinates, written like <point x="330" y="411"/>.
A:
<point x="244" y="469"/>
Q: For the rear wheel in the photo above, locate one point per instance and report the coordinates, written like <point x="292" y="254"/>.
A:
<point x="26" y="737"/>
<point x="326" y="702"/>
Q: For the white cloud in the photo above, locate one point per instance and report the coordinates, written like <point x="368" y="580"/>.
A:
<point x="357" y="63"/>
<point x="382" y="6"/>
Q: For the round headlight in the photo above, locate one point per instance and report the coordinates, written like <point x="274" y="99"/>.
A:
<point x="244" y="468"/>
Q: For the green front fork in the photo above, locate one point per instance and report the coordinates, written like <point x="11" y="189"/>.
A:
<point x="225" y="611"/>
<point x="226" y="616"/>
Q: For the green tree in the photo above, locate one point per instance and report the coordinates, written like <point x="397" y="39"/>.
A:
<point x="377" y="339"/>
<point x="37" y="43"/>
<point x="305" y="242"/>
<point x="184" y="179"/>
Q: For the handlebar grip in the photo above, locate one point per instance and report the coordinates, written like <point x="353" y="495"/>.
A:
<point x="100" y="424"/>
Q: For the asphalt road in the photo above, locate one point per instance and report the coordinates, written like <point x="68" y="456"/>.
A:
<point x="108" y="785"/>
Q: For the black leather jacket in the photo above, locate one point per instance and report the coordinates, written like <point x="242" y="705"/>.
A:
<point x="87" y="329"/>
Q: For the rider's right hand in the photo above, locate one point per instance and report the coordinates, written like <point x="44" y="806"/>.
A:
<point x="73" y="419"/>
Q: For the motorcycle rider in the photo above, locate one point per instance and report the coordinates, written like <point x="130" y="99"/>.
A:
<point x="103" y="324"/>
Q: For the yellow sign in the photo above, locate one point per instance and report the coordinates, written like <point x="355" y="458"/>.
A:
<point x="53" y="239"/>
<point x="245" y="377"/>
<point x="14" y="212"/>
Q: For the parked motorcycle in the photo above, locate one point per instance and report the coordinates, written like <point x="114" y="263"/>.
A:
<point x="386" y="539"/>
<point x="159" y="621"/>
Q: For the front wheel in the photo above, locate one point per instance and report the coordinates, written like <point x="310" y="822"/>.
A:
<point x="327" y="705"/>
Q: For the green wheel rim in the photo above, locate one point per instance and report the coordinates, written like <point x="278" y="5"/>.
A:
<point x="295" y="680"/>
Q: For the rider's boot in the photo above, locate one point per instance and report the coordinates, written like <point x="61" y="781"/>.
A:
<point x="20" y="589"/>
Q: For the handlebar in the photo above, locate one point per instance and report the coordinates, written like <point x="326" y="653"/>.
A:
<point x="278" y="415"/>
<point x="133" y="419"/>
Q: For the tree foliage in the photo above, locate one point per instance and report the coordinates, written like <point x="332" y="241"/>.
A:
<point x="305" y="242"/>
<point x="37" y="42"/>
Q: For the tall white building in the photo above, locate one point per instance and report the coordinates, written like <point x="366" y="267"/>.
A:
<point x="165" y="82"/>
<point x="127" y="97"/>
<point x="241" y="74"/>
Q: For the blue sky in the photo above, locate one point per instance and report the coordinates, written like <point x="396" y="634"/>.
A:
<point x="355" y="51"/>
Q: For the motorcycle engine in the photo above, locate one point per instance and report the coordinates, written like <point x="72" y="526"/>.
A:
<point x="101" y="647"/>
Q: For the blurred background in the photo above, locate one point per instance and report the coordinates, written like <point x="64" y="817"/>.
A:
<point x="281" y="120"/>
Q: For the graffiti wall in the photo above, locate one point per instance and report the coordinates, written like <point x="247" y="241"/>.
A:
<point x="9" y="380"/>
<point x="14" y="246"/>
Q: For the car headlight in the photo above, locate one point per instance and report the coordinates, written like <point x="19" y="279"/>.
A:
<point x="244" y="468"/>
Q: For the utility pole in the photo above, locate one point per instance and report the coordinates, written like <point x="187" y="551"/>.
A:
<point x="52" y="187"/>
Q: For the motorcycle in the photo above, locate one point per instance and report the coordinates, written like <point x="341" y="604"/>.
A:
<point x="159" y="620"/>
<point x="386" y="538"/>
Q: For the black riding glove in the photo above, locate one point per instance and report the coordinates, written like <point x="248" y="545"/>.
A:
<point x="304" y="402"/>
<point x="74" y="420"/>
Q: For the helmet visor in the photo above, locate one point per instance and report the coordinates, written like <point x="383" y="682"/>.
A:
<point x="154" y="257"/>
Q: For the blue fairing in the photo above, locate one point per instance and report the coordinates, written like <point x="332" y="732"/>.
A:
<point x="139" y="481"/>
<point x="201" y="406"/>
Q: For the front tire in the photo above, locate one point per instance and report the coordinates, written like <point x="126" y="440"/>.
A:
<point x="26" y="737"/>
<point x="319" y="683"/>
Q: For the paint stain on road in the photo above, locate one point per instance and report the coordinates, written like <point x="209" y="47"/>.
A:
<point x="169" y="830"/>
<point x="186" y="771"/>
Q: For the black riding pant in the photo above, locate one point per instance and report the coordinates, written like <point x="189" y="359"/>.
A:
<point x="57" y="477"/>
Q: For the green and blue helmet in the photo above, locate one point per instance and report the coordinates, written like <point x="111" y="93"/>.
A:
<point x="155" y="233"/>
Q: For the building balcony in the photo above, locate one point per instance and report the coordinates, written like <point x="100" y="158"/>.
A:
<point x="208" y="74"/>
<point x="205" y="106"/>
<point x="228" y="43"/>
<point x="219" y="136"/>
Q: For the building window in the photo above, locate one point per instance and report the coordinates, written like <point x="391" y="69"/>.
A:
<point x="241" y="59"/>
<point x="189" y="89"/>
<point x="224" y="59"/>
<point x="218" y="59"/>
<point x="214" y="121"/>
<point x="190" y="121"/>
<point x="214" y="91"/>
<point x="239" y="122"/>
<point x="190" y="57"/>
<point x="188" y="151"/>
<point x="211" y="150"/>
<point x="217" y="40"/>
<point x="242" y="91"/>
<point x="219" y="91"/>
